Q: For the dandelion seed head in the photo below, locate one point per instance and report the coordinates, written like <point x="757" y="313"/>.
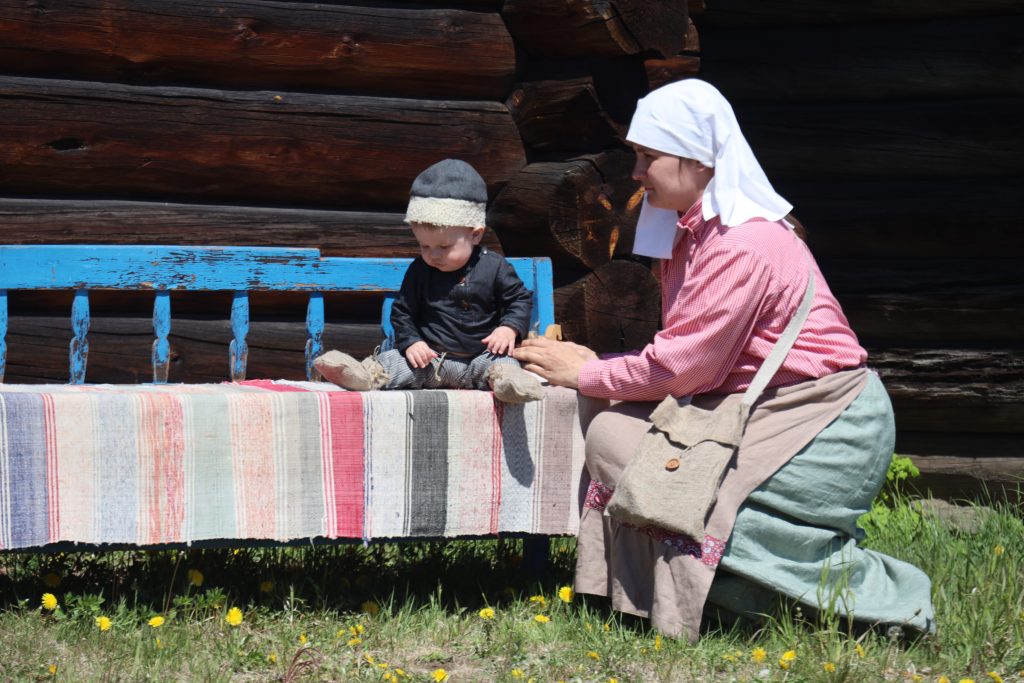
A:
<point x="266" y="586"/>
<point x="195" y="577"/>
<point x="370" y="607"/>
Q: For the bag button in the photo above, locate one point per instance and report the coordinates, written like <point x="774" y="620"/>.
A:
<point x="672" y="465"/>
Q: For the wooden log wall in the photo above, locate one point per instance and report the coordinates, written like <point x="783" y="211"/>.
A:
<point x="892" y="128"/>
<point x="287" y="123"/>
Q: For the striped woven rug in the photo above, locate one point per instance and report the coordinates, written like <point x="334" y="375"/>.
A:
<point x="153" y="464"/>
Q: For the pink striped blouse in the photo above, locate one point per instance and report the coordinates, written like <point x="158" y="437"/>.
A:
<point x="727" y="294"/>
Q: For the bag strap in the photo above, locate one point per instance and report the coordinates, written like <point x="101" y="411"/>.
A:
<point x="781" y="349"/>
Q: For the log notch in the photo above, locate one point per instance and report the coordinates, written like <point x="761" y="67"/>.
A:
<point x="613" y="309"/>
<point x="577" y="106"/>
<point x="335" y="233"/>
<point x="393" y="50"/>
<point x="581" y="212"/>
<point x="686" y="64"/>
<point x="597" y="28"/>
<point x="75" y="139"/>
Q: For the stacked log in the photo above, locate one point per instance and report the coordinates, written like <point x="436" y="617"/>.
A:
<point x="889" y="126"/>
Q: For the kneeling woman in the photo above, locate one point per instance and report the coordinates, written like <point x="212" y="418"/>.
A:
<point x="816" y="447"/>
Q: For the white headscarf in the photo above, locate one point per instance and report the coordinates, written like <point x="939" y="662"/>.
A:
<point x="691" y="119"/>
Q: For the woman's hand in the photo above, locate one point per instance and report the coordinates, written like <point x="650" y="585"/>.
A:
<point x="557" y="362"/>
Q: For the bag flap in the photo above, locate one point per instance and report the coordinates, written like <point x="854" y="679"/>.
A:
<point x="687" y="425"/>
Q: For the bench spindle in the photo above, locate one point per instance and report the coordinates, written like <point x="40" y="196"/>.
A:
<point x="78" y="353"/>
<point x="315" y="329"/>
<point x="3" y="333"/>
<point x="239" y="349"/>
<point x="162" y="328"/>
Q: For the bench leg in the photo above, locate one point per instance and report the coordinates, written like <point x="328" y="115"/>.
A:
<point x="536" y="553"/>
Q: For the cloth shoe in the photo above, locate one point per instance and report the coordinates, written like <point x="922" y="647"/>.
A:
<point x="512" y="384"/>
<point x="349" y="373"/>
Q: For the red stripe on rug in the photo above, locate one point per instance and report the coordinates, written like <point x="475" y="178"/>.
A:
<point x="347" y="425"/>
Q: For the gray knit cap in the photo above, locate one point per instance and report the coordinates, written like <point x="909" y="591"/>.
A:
<point x="448" y="194"/>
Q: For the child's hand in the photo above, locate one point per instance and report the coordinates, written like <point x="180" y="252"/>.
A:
<point x="501" y="341"/>
<point x="419" y="355"/>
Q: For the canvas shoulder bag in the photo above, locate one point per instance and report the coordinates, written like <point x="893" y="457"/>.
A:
<point x="672" y="482"/>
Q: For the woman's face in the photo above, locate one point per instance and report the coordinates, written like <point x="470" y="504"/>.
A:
<point x="670" y="182"/>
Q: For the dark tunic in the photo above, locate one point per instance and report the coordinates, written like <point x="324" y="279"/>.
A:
<point x="452" y="312"/>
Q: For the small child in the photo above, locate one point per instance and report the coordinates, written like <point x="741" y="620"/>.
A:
<point x="461" y="307"/>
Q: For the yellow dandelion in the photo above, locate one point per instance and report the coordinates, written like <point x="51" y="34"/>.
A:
<point x="382" y="665"/>
<point x="995" y="677"/>
<point x="517" y="673"/>
<point x="400" y="672"/>
<point x="859" y="649"/>
<point x="272" y="658"/>
<point x="787" y="659"/>
<point x="266" y="586"/>
<point x="439" y="675"/>
<point x="49" y="601"/>
<point x="916" y="678"/>
<point x="998" y="550"/>
<point x="234" y="617"/>
<point x="51" y="580"/>
<point x="613" y="680"/>
<point x="370" y="658"/>
<point x="159" y="645"/>
<point x="303" y="639"/>
<point x="565" y="594"/>
<point x="607" y="627"/>
<point x="103" y="623"/>
<point x="352" y="642"/>
<point x="966" y="680"/>
<point x="195" y="577"/>
<point x="944" y="679"/>
<point x="729" y="657"/>
<point x="829" y="667"/>
<point x="356" y="630"/>
<point x="657" y="642"/>
<point x="542" y="619"/>
<point x="538" y="599"/>
<point x="593" y="655"/>
<point x="156" y="622"/>
<point x="758" y="654"/>
<point x="52" y="669"/>
<point x="236" y="551"/>
<point x="370" y="607"/>
<point x="486" y="613"/>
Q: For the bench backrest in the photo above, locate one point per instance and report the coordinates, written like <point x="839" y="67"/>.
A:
<point x="241" y="270"/>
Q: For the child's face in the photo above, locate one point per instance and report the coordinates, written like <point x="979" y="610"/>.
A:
<point x="446" y="249"/>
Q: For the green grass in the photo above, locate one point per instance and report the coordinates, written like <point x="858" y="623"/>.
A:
<point x="349" y="613"/>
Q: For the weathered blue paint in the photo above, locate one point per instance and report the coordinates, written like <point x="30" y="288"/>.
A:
<point x="385" y="323"/>
<point x="315" y="330"/>
<point x="192" y="268"/>
<point x="3" y="333"/>
<point x="78" y="353"/>
<point x="237" y="269"/>
<point x="162" y="328"/>
<point x="239" y="349"/>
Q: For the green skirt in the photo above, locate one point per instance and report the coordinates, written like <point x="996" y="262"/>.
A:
<point x="796" y="535"/>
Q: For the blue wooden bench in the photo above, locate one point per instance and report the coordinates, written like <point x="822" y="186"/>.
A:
<point x="152" y="465"/>
<point x="165" y="269"/>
